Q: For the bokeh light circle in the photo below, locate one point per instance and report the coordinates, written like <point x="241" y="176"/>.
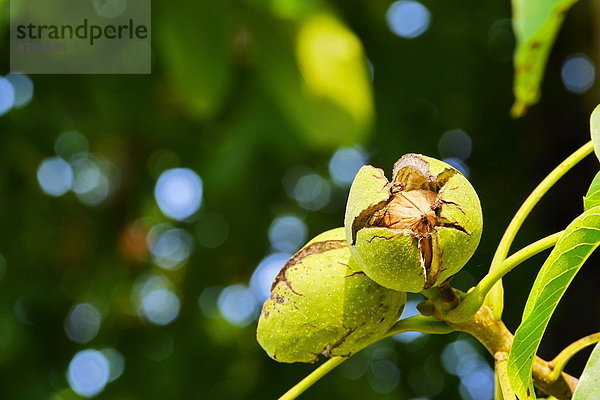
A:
<point x="88" y="373"/>
<point x="55" y="176"/>
<point x="178" y="193"/>
<point x="408" y="18"/>
<point x="578" y="73"/>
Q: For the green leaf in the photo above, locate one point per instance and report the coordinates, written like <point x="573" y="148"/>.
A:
<point x="592" y="197"/>
<point x="4" y="12"/>
<point x="579" y="240"/>
<point x="589" y="383"/>
<point x="595" y="130"/>
<point x="196" y="49"/>
<point x="315" y="69"/>
<point x="536" y="24"/>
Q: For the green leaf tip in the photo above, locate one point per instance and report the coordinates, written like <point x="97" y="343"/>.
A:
<point x="536" y="24"/>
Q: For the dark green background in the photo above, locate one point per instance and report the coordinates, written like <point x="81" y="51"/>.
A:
<point x="227" y="57"/>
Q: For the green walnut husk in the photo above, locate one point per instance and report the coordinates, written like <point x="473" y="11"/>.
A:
<point x="416" y="231"/>
<point x="321" y="303"/>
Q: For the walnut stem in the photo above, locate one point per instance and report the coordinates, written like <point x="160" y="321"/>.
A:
<point x="448" y="296"/>
<point x="496" y="337"/>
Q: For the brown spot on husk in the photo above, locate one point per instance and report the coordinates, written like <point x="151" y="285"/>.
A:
<point x="311" y="249"/>
<point x="358" y="273"/>
<point x="330" y="347"/>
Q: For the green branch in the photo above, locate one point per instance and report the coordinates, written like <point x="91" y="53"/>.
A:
<point x="417" y="323"/>
<point x="496" y="296"/>
<point x="561" y="360"/>
<point x="313" y="378"/>
<point x="506" y="392"/>
<point x="420" y="323"/>
<point x="486" y="284"/>
<point x="476" y="297"/>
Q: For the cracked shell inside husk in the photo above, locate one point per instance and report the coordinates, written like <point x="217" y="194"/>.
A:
<point x="417" y="230"/>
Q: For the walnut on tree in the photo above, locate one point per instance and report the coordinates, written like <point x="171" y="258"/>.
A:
<point x="321" y="303"/>
<point x="417" y="230"/>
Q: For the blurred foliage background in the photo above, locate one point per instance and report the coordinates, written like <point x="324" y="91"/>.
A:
<point x="144" y="217"/>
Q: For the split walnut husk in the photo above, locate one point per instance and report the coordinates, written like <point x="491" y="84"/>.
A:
<point x="416" y="231"/>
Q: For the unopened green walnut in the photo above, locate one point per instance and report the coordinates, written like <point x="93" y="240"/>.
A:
<point x="322" y="303"/>
<point x="416" y="231"/>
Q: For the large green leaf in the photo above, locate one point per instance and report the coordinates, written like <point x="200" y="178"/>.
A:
<point x="595" y="130"/>
<point x="580" y="239"/>
<point x="589" y="383"/>
<point x="592" y="197"/>
<point x="536" y="23"/>
<point x="195" y="40"/>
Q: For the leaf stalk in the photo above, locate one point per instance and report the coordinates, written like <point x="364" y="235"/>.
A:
<point x="496" y="296"/>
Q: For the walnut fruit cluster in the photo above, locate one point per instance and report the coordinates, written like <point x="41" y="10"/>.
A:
<point x="347" y="287"/>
